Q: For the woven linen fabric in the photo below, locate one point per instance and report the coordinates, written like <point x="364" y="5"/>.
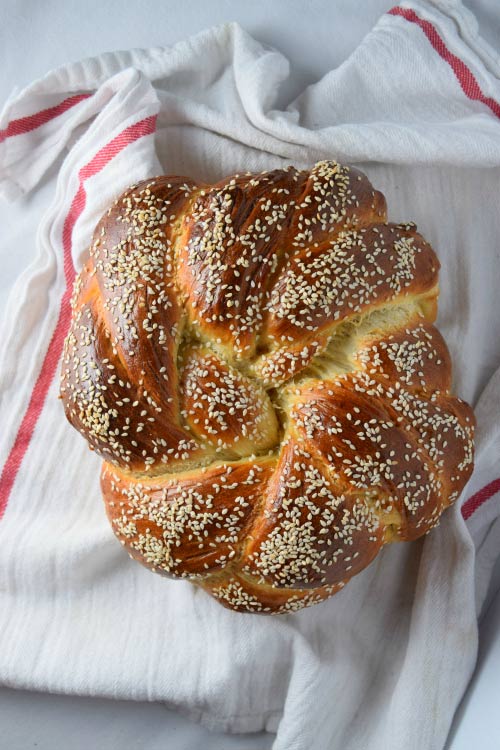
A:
<point x="384" y="663"/>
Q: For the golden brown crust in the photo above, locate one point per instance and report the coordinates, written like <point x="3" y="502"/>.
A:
<point x="313" y="530"/>
<point x="223" y="407"/>
<point x="244" y="594"/>
<point x="256" y="363"/>
<point x="357" y="271"/>
<point x="187" y="524"/>
<point x="417" y="356"/>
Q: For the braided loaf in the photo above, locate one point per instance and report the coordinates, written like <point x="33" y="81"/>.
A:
<point x="256" y="363"/>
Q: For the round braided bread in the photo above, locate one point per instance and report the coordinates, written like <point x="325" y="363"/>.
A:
<point x="255" y="361"/>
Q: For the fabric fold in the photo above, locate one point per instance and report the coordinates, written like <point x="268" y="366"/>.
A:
<point x="384" y="663"/>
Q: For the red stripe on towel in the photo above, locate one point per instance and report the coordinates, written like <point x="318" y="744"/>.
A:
<point x="463" y="74"/>
<point x="31" y="122"/>
<point x="479" y="498"/>
<point x="51" y="360"/>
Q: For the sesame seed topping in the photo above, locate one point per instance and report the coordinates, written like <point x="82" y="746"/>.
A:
<point x="256" y="363"/>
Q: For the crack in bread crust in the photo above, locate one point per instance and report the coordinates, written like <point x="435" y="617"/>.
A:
<point x="255" y="361"/>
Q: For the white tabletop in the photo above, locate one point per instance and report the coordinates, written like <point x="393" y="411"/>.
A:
<point x="316" y="36"/>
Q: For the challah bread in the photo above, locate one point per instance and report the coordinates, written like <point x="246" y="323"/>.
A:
<point x="255" y="361"/>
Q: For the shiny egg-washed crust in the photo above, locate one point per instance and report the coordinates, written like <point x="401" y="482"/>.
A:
<point x="255" y="361"/>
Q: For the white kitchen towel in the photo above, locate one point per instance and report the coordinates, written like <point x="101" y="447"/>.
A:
<point x="383" y="664"/>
